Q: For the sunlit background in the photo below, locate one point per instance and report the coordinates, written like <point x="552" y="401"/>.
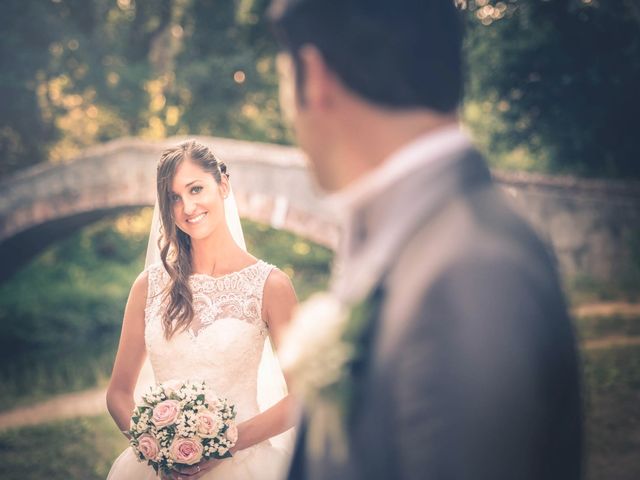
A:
<point x="551" y="90"/>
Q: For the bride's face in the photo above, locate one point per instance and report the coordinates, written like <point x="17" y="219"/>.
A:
<point x="197" y="200"/>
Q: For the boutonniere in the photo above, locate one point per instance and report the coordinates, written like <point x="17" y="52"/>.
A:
<point x="326" y="345"/>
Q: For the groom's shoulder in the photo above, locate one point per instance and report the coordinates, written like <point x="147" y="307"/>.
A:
<point x="476" y="231"/>
<point x="460" y="272"/>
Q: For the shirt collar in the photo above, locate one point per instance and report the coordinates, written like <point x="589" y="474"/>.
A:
<point x="429" y="147"/>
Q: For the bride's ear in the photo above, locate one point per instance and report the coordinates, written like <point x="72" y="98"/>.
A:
<point x="224" y="186"/>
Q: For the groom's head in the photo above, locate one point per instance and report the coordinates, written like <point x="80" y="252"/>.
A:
<point x="383" y="55"/>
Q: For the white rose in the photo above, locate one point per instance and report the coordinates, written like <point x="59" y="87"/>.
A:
<point x="318" y="321"/>
<point x="313" y="339"/>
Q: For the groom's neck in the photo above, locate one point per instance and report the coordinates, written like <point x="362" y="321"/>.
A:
<point x="372" y="135"/>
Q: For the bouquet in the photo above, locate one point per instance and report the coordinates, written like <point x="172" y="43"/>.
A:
<point x="181" y="423"/>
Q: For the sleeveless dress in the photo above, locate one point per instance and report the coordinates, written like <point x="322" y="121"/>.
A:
<point x="222" y="346"/>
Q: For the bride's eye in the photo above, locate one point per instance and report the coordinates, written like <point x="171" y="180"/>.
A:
<point x="196" y="189"/>
<point x="175" y="198"/>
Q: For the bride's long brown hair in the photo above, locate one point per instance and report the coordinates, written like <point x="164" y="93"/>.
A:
<point x="174" y="244"/>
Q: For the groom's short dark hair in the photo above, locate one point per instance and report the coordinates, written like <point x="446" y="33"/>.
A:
<point x="396" y="53"/>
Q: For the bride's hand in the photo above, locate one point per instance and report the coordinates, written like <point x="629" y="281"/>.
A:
<point x="194" y="471"/>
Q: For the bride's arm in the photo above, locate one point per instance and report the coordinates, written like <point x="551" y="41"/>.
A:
<point x="130" y="356"/>
<point x="279" y="300"/>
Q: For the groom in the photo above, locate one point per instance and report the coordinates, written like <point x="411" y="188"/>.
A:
<point x="470" y="368"/>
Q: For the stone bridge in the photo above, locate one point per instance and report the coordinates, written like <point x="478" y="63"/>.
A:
<point x="593" y="225"/>
<point x="46" y="203"/>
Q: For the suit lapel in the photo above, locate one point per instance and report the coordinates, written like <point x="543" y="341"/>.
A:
<point x="384" y="224"/>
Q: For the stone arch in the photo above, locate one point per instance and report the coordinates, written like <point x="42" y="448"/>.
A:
<point x="45" y="203"/>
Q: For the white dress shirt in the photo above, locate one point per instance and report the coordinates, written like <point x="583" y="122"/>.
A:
<point x="362" y="261"/>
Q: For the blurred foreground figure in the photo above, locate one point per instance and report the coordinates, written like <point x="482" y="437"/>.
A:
<point x="457" y="358"/>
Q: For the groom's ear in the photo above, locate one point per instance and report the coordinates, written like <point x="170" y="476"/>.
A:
<point x="319" y="81"/>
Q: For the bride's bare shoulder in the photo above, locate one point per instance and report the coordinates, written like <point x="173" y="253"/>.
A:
<point x="140" y="287"/>
<point x="278" y="284"/>
<point x="279" y="300"/>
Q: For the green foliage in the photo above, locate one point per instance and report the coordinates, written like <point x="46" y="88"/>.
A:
<point x="617" y="368"/>
<point x="595" y="327"/>
<point x="76" y="73"/>
<point x="553" y="85"/>
<point x="82" y="448"/>
<point x="23" y="49"/>
<point x="306" y="263"/>
<point x="71" y="299"/>
<point x="86" y="447"/>
<point x="583" y="289"/>
<point x="611" y="389"/>
<point x="31" y="376"/>
<point x="74" y="292"/>
<point x="226" y="63"/>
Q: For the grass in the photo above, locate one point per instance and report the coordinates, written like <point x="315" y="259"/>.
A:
<point x="613" y="436"/>
<point x="32" y="377"/>
<point x="582" y="289"/>
<point x="591" y="328"/>
<point x="611" y="378"/>
<point x="612" y="396"/>
<point x="82" y="449"/>
<point x="85" y="448"/>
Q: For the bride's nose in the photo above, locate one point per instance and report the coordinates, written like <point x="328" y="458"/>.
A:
<point x="188" y="207"/>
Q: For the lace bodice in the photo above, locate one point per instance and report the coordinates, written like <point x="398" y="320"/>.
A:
<point x="223" y="345"/>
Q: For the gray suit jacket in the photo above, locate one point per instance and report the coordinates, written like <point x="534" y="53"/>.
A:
<point x="473" y="370"/>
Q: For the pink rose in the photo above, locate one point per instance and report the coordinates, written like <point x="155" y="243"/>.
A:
<point x="232" y="433"/>
<point x="208" y="424"/>
<point x="165" y="413"/>
<point x="148" y="446"/>
<point x="186" y="450"/>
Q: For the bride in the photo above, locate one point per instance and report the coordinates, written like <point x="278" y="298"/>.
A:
<point x="207" y="310"/>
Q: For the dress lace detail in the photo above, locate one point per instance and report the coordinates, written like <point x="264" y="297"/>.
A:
<point x="235" y="295"/>
<point x="224" y="342"/>
<point x="223" y="346"/>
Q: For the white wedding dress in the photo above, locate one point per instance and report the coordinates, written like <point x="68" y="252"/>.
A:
<point x="223" y="346"/>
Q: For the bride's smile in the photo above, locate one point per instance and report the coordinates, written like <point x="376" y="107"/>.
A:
<point x="197" y="218"/>
<point x="197" y="200"/>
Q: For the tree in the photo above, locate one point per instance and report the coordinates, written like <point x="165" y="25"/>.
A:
<point x="80" y="72"/>
<point x="27" y="32"/>
<point x="553" y="85"/>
